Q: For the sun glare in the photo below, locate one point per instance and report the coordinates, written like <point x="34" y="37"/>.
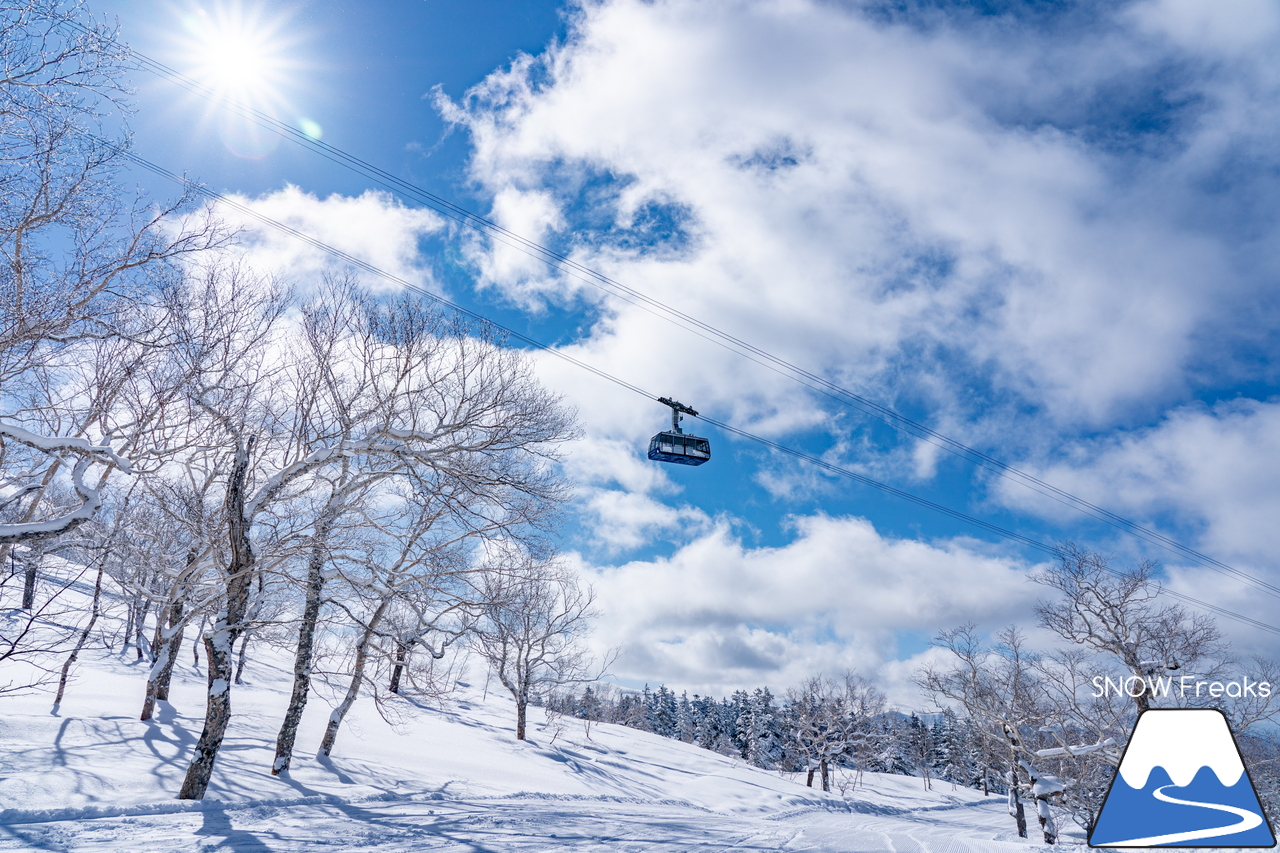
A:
<point x="238" y="54"/>
<point x="245" y="58"/>
<point x="236" y="61"/>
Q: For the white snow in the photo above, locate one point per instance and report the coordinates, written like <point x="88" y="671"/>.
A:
<point x="91" y="777"/>
<point x="1048" y="785"/>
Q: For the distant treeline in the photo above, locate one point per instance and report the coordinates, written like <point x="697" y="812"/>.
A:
<point x="828" y="730"/>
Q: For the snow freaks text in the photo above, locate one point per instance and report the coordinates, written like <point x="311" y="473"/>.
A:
<point x="1183" y="686"/>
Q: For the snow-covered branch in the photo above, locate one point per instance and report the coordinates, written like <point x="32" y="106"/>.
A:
<point x="1074" y="751"/>
<point x="57" y="444"/>
<point x="91" y="502"/>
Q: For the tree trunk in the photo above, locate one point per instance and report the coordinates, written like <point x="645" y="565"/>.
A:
<point x="177" y="626"/>
<point x="217" y="714"/>
<point x="522" y="708"/>
<point x="219" y="644"/>
<point x="1015" y="805"/>
<point x="166" y="655"/>
<point x="826" y="778"/>
<point x="1047" y="825"/>
<point x="29" y="586"/>
<point x="244" y="645"/>
<point x="6" y="550"/>
<point x="157" y="636"/>
<point x="139" y="626"/>
<point x="128" y="630"/>
<point x="357" y="678"/>
<point x="29" y="583"/>
<point x="402" y="660"/>
<point x="306" y="647"/>
<point x="809" y="782"/>
<point x="84" y="637"/>
<point x="1143" y="702"/>
<point x="163" y="661"/>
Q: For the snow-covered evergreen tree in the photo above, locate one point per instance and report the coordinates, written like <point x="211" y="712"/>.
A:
<point x="686" y="725"/>
<point x="760" y="728"/>
<point x="662" y="711"/>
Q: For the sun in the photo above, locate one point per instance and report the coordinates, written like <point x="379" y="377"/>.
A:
<point x="247" y="65"/>
<point x="236" y="61"/>
<point x="238" y="53"/>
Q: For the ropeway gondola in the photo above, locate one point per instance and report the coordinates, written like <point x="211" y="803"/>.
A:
<point x="675" y="446"/>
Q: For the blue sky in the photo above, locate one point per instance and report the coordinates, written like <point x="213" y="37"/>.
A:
<point x="1042" y="229"/>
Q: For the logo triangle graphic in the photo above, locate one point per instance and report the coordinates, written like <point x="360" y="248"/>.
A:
<point x="1182" y="783"/>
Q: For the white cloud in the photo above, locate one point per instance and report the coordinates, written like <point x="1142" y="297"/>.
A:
<point x="622" y="520"/>
<point x="373" y="227"/>
<point x="530" y="215"/>
<point x="1214" y="469"/>
<point x="1226" y="26"/>
<point x="888" y="204"/>
<point x="1211" y="470"/>
<point x="1041" y="236"/>
<point x="719" y="614"/>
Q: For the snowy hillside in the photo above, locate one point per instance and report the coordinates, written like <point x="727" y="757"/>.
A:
<point x="452" y="778"/>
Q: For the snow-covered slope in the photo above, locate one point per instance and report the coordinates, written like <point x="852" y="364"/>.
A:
<point x="451" y="777"/>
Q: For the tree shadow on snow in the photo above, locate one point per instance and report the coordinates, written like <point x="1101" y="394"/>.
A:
<point x="32" y="838"/>
<point x="169" y="742"/>
<point x="327" y="763"/>
<point x="217" y="823"/>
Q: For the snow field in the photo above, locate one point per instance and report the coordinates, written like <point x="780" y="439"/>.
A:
<point x="444" y="777"/>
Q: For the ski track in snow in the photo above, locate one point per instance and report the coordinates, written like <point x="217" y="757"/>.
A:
<point x="504" y="826"/>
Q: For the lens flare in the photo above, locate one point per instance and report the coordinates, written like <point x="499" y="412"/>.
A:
<point x="310" y="128"/>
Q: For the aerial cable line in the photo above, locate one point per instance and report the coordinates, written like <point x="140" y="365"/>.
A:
<point x="533" y="342"/>
<point x="704" y="330"/>
<point x="945" y="510"/>
<point x="816" y="382"/>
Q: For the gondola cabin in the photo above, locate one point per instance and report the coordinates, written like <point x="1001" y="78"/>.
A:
<point x="674" y="445"/>
<point x="679" y="448"/>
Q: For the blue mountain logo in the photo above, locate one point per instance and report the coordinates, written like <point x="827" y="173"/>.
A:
<point x="1182" y="783"/>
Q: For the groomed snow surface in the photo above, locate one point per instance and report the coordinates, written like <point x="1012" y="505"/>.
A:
<point x="445" y="777"/>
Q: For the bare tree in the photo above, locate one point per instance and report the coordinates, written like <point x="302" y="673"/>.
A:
<point x="1116" y="613"/>
<point x="229" y="335"/>
<point x="830" y="720"/>
<point x="178" y="534"/>
<point x="1122" y="630"/>
<point x="31" y="638"/>
<point x="1002" y="689"/>
<point x="429" y="403"/>
<point x="453" y="415"/>
<point x="85" y="633"/>
<point x="532" y="623"/>
<point x="76" y="258"/>
<point x="406" y="566"/>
